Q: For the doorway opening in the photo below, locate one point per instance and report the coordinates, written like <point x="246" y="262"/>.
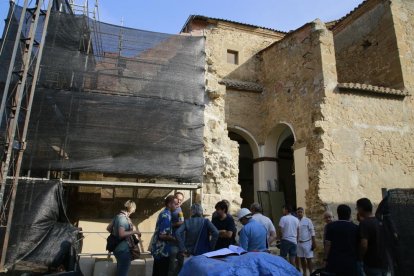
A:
<point x="246" y="175"/>
<point x="286" y="168"/>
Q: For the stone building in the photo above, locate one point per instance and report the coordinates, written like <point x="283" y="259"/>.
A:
<point x="324" y="113"/>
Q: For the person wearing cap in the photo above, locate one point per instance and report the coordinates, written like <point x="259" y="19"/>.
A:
<point x="253" y="235"/>
<point x="257" y="210"/>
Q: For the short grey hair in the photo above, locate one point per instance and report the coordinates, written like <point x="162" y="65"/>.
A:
<point x="196" y="210"/>
<point x="256" y="207"/>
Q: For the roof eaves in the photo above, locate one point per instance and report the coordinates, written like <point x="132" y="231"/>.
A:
<point x="202" y="17"/>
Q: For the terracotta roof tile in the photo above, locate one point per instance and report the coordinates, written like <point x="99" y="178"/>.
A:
<point x="242" y="85"/>
<point x="372" y="89"/>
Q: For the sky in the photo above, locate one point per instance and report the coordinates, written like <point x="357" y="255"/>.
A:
<point x="169" y="16"/>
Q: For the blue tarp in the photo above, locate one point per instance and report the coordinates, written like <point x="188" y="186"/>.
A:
<point x="248" y="264"/>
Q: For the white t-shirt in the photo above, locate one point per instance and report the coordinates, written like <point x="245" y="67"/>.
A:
<point x="289" y="225"/>
<point x="306" y="229"/>
<point x="266" y="223"/>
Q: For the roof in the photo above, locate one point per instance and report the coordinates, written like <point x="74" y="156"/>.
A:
<point x="359" y="87"/>
<point x="337" y="22"/>
<point x="242" y="85"/>
<point x="205" y="18"/>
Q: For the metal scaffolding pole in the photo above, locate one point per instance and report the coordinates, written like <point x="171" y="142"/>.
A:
<point x="15" y="111"/>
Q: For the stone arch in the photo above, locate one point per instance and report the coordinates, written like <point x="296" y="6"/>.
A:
<point x="254" y="146"/>
<point x="275" y="136"/>
<point x="248" y="152"/>
<point x="277" y="168"/>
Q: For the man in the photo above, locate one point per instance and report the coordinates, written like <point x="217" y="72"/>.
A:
<point x="306" y="242"/>
<point x="372" y="244"/>
<point x="341" y="244"/>
<point x="163" y="236"/>
<point x="194" y="235"/>
<point x="328" y="218"/>
<point x="177" y="219"/>
<point x="253" y="235"/>
<point x="288" y="231"/>
<point x="225" y="224"/>
<point x="256" y="210"/>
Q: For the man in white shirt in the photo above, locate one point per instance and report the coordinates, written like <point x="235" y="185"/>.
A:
<point x="256" y="210"/>
<point x="288" y="231"/>
<point x="306" y="242"/>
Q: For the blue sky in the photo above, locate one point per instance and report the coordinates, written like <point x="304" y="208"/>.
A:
<point x="169" y="16"/>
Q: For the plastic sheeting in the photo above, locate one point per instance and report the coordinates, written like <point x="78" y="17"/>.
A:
<point x="249" y="264"/>
<point x="117" y="100"/>
<point x="41" y="235"/>
<point x="397" y="213"/>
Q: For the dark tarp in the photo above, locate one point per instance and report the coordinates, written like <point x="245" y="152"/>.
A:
<point x="130" y="102"/>
<point x="41" y="235"/>
<point x="396" y="211"/>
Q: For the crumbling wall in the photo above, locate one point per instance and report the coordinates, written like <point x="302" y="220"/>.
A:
<point x="294" y="86"/>
<point x="220" y="153"/>
<point x="298" y="72"/>
<point x="366" y="47"/>
<point x="368" y="137"/>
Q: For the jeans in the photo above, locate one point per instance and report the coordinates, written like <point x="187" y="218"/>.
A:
<point x="123" y="262"/>
<point x="374" y="271"/>
<point x="176" y="261"/>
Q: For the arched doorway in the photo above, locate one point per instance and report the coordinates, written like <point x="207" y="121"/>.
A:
<point x="280" y="170"/>
<point x="286" y="168"/>
<point x="246" y="174"/>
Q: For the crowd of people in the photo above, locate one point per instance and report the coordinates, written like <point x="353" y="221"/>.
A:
<point x="349" y="249"/>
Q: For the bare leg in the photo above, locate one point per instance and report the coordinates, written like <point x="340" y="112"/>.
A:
<point x="310" y="265"/>
<point x="292" y="260"/>
<point x="303" y="262"/>
<point x="297" y="264"/>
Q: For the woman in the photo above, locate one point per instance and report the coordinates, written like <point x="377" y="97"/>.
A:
<point x="193" y="235"/>
<point x="124" y="230"/>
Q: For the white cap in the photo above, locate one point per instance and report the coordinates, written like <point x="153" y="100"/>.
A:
<point x="244" y="212"/>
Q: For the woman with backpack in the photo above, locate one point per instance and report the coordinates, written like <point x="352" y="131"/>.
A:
<point x="125" y="237"/>
<point x="194" y="235"/>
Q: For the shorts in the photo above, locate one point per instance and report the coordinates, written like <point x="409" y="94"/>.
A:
<point x="305" y="250"/>
<point x="288" y="247"/>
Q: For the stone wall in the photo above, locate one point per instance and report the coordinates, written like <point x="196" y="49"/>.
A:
<point x="221" y="154"/>
<point x="403" y="17"/>
<point x="293" y="92"/>
<point x="366" y="47"/>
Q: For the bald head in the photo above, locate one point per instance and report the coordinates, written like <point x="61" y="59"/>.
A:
<point x="327" y="216"/>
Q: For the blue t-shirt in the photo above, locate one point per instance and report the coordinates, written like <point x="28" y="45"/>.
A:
<point x="253" y="236"/>
<point x="121" y="221"/>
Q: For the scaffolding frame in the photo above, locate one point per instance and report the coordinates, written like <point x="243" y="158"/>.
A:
<point x="23" y="94"/>
<point x="24" y="86"/>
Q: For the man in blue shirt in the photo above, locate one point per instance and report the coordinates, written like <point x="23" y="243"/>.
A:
<point x="253" y="234"/>
<point x="162" y="239"/>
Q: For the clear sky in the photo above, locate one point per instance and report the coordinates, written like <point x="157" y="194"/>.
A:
<point x="169" y="16"/>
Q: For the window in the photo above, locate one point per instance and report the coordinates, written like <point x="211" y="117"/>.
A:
<point x="232" y="57"/>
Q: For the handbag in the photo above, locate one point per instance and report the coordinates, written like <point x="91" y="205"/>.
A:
<point x="135" y="252"/>
<point x="112" y="242"/>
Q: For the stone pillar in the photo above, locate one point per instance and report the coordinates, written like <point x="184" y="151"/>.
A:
<point x="301" y="174"/>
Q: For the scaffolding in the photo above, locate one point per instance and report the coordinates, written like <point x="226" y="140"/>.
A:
<point x="85" y="96"/>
